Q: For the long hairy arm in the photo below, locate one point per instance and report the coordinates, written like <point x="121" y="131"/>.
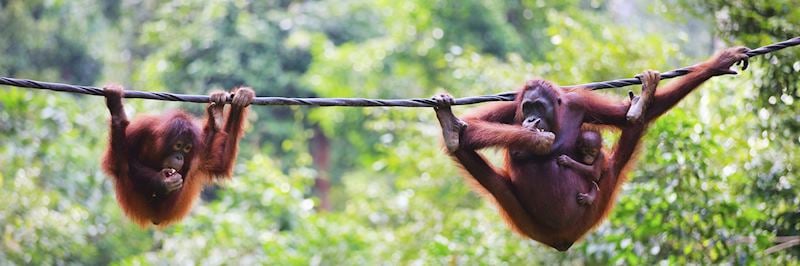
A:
<point x="115" y="160"/>
<point x="223" y="146"/>
<point x="493" y="126"/>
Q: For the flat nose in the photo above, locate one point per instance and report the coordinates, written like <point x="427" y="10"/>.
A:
<point x="179" y="156"/>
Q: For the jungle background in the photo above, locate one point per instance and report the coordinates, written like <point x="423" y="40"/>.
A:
<point x="716" y="180"/>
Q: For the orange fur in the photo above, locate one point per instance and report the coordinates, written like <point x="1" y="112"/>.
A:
<point x="533" y="193"/>
<point x="138" y="150"/>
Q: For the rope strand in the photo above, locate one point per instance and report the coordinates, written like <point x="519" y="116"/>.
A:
<point x="360" y="102"/>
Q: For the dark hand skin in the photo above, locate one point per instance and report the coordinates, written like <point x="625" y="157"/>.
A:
<point x="527" y="135"/>
<point x="590" y="145"/>
<point x="172" y="180"/>
<point x="530" y="193"/>
<point x="160" y="163"/>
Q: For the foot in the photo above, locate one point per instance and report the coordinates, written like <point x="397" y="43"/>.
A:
<point x="650" y="79"/>
<point x="722" y="62"/>
<point x="451" y="125"/>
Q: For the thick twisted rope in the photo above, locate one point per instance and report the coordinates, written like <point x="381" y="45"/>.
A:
<point x="362" y="102"/>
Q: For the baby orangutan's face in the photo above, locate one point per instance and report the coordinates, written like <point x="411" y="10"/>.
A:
<point x="589" y="154"/>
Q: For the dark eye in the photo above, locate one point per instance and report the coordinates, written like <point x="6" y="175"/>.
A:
<point x="187" y="148"/>
<point x="178" y="146"/>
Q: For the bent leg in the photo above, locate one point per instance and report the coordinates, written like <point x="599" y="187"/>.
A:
<point x="588" y="198"/>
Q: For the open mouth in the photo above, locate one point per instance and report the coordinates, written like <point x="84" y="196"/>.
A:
<point x="171" y="171"/>
<point x="537" y="126"/>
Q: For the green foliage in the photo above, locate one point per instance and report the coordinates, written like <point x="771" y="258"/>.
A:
<point x="716" y="179"/>
<point x="43" y="38"/>
<point x="755" y="23"/>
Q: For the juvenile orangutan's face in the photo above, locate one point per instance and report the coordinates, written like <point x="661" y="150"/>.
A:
<point x="178" y="155"/>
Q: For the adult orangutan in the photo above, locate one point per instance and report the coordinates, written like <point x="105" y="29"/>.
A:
<point x="535" y="194"/>
<point x="160" y="163"/>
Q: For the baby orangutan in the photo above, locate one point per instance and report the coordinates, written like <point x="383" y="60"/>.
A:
<point x="590" y="164"/>
<point x="534" y="193"/>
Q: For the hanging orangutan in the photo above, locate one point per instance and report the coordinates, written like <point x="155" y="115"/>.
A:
<point x="160" y="163"/>
<point x="534" y="192"/>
